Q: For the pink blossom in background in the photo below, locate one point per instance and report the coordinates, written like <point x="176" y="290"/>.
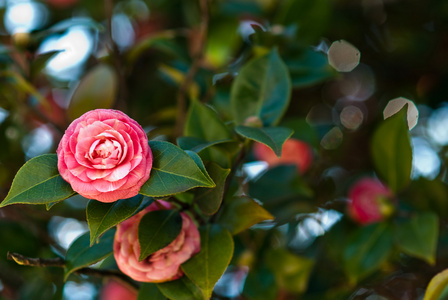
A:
<point x="369" y="201"/>
<point x="104" y="155"/>
<point x="294" y="152"/>
<point x="114" y="290"/>
<point x="164" y="264"/>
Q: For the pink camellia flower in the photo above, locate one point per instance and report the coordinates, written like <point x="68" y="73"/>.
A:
<point x="164" y="264"/>
<point x="370" y="201"/>
<point x="294" y="152"/>
<point x="105" y="155"/>
<point x="114" y="290"/>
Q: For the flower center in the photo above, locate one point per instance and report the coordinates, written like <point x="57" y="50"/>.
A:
<point x="104" y="149"/>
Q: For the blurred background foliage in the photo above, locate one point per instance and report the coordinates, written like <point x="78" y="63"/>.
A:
<point x="60" y="58"/>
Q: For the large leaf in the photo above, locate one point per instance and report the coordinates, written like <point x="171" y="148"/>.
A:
<point x="157" y="229"/>
<point x="149" y="291"/>
<point x="97" y="89"/>
<point x="173" y="171"/>
<point x="209" y="200"/>
<point x="273" y="137"/>
<point x="241" y="213"/>
<point x="392" y="152"/>
<point x="437" y="286"/>
<point x="197" y="144"/>
<point x="206" y="267"/>
<point x="367" y="249"/>
<point x="418" y="236"/>
<point x="103" y="216"/>
<point x="203" y="122"/>
<point x="261" y="89"/>
<point x="181" y="289"/>
<point x="81" y="255"/>
<point x="38" y="182"/>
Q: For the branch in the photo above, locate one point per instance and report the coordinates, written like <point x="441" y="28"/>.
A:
<point x="198" y="55"/>
<point x="60" y="263"/>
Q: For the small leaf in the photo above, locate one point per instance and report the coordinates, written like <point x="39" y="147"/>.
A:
<point x="149" y="291"/>
<point x="173" y="171"/>
<point x="196" y="144"/>
<point x="392" y="152"/>
<point x="103" y="216"/>
<point x="157" y="229"/>
<point x="273" y="137"/>
<point x="197" y="159"/>
<point x="80" y="254"/>
<point x="418" y="236"/>
<point x="181" y="289"/>
<point x="97" y="89"/>
<point x="209" y="200"/>
<point x="241" y="213"/>
<point x="437" y="286"/>
<point x="38" y="182"/>
<point x="261" y="89"/>
<point x="206" y="267"/>
<point x="41" y="61"/>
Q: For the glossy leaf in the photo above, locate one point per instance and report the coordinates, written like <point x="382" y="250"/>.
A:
<point x="181" y="289"/>
<point x="80" y="254"/>
<point x="392" y="152"/>
<point x="437" y="286"/>
<point x="206" y="267"/>
<point x="273" y="137"/>
<point x="173" y="171"/>
<point x="241" y="213"/>
<point x="149" y="291"/>
<point x="209" y="200"/>
<point x="157" y="229"/>
<point x="197" y="144"/>
<point x="103" y="216"/>
<point x="38" y="182"/>
<point x="367" y="249"/>
<point x="418" y="236"/>
<point x="261" y="89"/>
<point x="97" y="89"/>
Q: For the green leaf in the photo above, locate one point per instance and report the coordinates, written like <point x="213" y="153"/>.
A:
<point x="209" y="200"/>
<point x="260" y="284"/>
<point x="103" y="216"/>
<point x="203" y="122"/>
<point x="418" y="236"/>
<point x="261" y="89"/>
<point x="367" y="249"/>
<point x="196" y="144"/>
<point x="173" y="171"/>
<point x="41" y="61"/>
<point x="392" y="152"/>
<point x="197" y="159"/>
<point x="291" y="271"/>
<point x="437" y="286"/>
<point x="38" y="182"/>
<point x="97" y="89"/>
<point x="157" y="229"/>
<point x="241" y="213"/>
<point x="80" y="254"/>
<point x="181" y="289"/>
<point x="273" y="137"/>
<point x="149" y="291"/>
<point x="206" y="267"/>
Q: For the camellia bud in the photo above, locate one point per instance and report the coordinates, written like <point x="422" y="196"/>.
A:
<point x="370" y="201"/>
<point x="294" y="152"/>
<point x="253" y="121"/>
<point x="114" y="290"/>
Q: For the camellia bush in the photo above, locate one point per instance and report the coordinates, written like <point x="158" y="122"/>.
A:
<point x="197" y="149"/>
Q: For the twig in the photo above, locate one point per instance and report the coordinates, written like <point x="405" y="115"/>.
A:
<point x="60" y="263"/>
<point x="197" y="55"/>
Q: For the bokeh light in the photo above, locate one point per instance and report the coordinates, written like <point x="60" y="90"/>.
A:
<point x="343" y="56"/>
<point x="425" y="161"/>
<point x="66" y="230"/>
<point x="438" y="126"/>
<point x="79" y="291"/>
<point x="351" y="117"/>
<point x="37" y="142"/>
<point x="24" y="16"/>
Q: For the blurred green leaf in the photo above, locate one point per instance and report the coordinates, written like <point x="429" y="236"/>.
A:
<point x="97" y="89"/>
<point x="261" y="89"/>
<point x="173" y="171"/>
<point x="197" y="144"/>
<point x="241" y="213"/>
<point x="209" y="200"/>
<point x="436" y="286"/>
<point x="149" y="291"/>
<point x="80" y="254"/>
<point x="392" y="152"/>
<point x="260" y="284"/>
<point x="206" y="267"/>
<point x="157" y="229"/>
<point x="103" y="216"/>
<point x="222" y="40"/>
<point x="181" y="289"/>
<point x="303" y="131"/>
<point x="273" y="137"/>
<point x="41" y="61"/>
<point x="38" y="182"/>
<point x="434" y="192"/>
<point x="366" y="249"/>
<point x="291" y="271"/>
<point x="418" y="236"/>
